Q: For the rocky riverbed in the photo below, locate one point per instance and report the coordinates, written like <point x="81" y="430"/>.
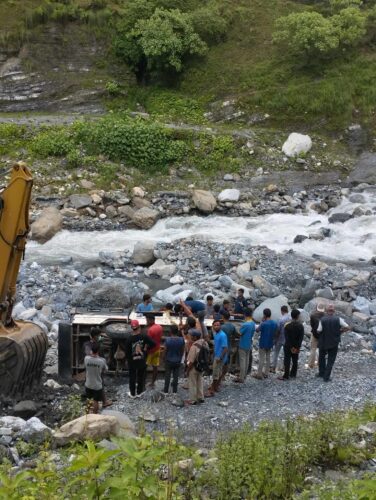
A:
<point x="224" y="254"/>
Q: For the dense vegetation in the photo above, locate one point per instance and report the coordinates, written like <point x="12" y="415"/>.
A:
<point x="311" y="61"/>
<point x="270" y="462"/>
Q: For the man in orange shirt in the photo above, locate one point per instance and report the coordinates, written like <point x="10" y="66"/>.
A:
<point x="155" y="332"/>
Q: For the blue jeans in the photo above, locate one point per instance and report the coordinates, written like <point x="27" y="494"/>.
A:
<point x="277" y="350"/>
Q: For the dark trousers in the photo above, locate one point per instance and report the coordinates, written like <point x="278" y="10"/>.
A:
<point x="137" y="376"/>
<point x="327" y="358"/>
<point x="290" y="358"/>
<point x="171" y="369"/>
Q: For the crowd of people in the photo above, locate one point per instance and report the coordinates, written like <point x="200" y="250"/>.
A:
<point x="190" y="349"/>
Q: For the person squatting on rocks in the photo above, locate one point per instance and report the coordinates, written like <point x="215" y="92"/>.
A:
<point x="195" y="374"/>
<point x="220" y="357"/>
<point x="135" y="350"/>
<point x="279" y="340"/>
<point x="95" y="367"/>
<point x="174" y="350"/>
<point x="241" y="302"/>
<point x="209" y="307"/>
<point x="155" y="332"/>
<point x="315" y="321"/>
<point x="329" y="330"/>
<point x="268" y="329"/>
<point x="294" y="334"/>
<point x="247" y="330"/>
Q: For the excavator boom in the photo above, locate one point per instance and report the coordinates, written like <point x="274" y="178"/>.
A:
<point x="23" y="345"/>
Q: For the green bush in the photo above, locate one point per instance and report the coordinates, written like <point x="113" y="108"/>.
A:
<point x="139" y="144"/>
<point x="57" y="141"/>
<point x="210" y="25"/>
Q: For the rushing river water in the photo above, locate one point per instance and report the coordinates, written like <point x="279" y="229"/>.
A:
<point x="352" y="240"/>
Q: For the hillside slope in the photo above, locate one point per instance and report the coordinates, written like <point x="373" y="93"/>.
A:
<point x="69" y="64"/>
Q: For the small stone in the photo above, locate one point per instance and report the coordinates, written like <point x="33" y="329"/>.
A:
<point x="138" y="192"/>
<point x="25" y="409"/>
<point x="149" y="417"/>
<point x="86" y="184"/>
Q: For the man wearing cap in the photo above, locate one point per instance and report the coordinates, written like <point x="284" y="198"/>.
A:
<point x="155" y="332"/>
<point x="195" y="377"/>
<point x="135" y="351"/>
<point x="315" y="321"/>
<point x="329" y="331"/>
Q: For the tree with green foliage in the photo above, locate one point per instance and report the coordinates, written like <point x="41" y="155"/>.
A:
<point x="338" y="5"/>
<point x="350" y="24"/>
<point x="308" y="34"/>
<point x="313" y="36"/>
<point x="161" y="43"/>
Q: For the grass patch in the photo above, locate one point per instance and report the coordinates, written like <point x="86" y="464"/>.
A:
<point x="269" y="462"/>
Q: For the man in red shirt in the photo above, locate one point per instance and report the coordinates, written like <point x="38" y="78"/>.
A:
<point x="155" y="332"/>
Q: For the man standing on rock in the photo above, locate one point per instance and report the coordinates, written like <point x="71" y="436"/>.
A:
<point x="329" y="331"/>
<point x="155" y="332"/>
<point x="231" y="332"/>
<point x="135" y="350"/>
<point x="315" y="321"/>
<point x="220" y="357"/>
<point x="294" y="334"/>
<point x="280" y="337"/>
<point x="95" y="367"/>
<point x="247" y="331"/>
<point x="268" y="330"/>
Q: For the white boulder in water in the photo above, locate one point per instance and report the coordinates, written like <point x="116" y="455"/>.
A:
<point x="229" y="195"/>
<point x="297" y="144"/>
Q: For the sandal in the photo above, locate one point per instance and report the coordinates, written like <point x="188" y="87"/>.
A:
<point x="108" y="403"/>
<point x="190" y="403"/>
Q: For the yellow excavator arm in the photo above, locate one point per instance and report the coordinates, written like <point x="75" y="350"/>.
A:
<point x="14" y="226"/>
<point x="23" y="345"/>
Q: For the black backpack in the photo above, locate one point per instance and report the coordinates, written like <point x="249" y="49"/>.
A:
<point x="202" y="361"/>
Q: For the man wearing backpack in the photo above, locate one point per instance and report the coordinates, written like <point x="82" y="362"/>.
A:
<point x="195" y="369"/>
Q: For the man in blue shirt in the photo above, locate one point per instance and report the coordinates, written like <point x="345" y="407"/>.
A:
<point x="198" y="309"/>
<point x="231" y="332"/>
<point x="268" y="329"/>
<point x="146" y="305"/>
<point x="247" y="330"/>
<point x="220" y="357"/>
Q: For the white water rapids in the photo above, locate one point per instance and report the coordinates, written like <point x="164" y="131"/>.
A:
<point x="350" y="241"/>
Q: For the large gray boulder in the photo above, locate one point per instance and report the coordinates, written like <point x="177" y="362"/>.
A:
<point x="143" y="253"/>
<point x="339" y="305"/>
<point x="145" y="217"/>
<point x="35" y="431"/>
<point x="204" y="201"/>
<point x="161" y="269"/>
<point x="273" y="304"/>
<point x="104" y="293"/>
<point x="47" y="225"/>
<point x="94" y="427"/>
<point x="80" y="200"/>
<point x="364" y="170"/>
<point x="231" y="195"/>
<point x="265" y="287"/>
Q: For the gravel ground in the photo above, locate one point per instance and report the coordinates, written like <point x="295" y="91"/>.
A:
<point x="352" y="386"/>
